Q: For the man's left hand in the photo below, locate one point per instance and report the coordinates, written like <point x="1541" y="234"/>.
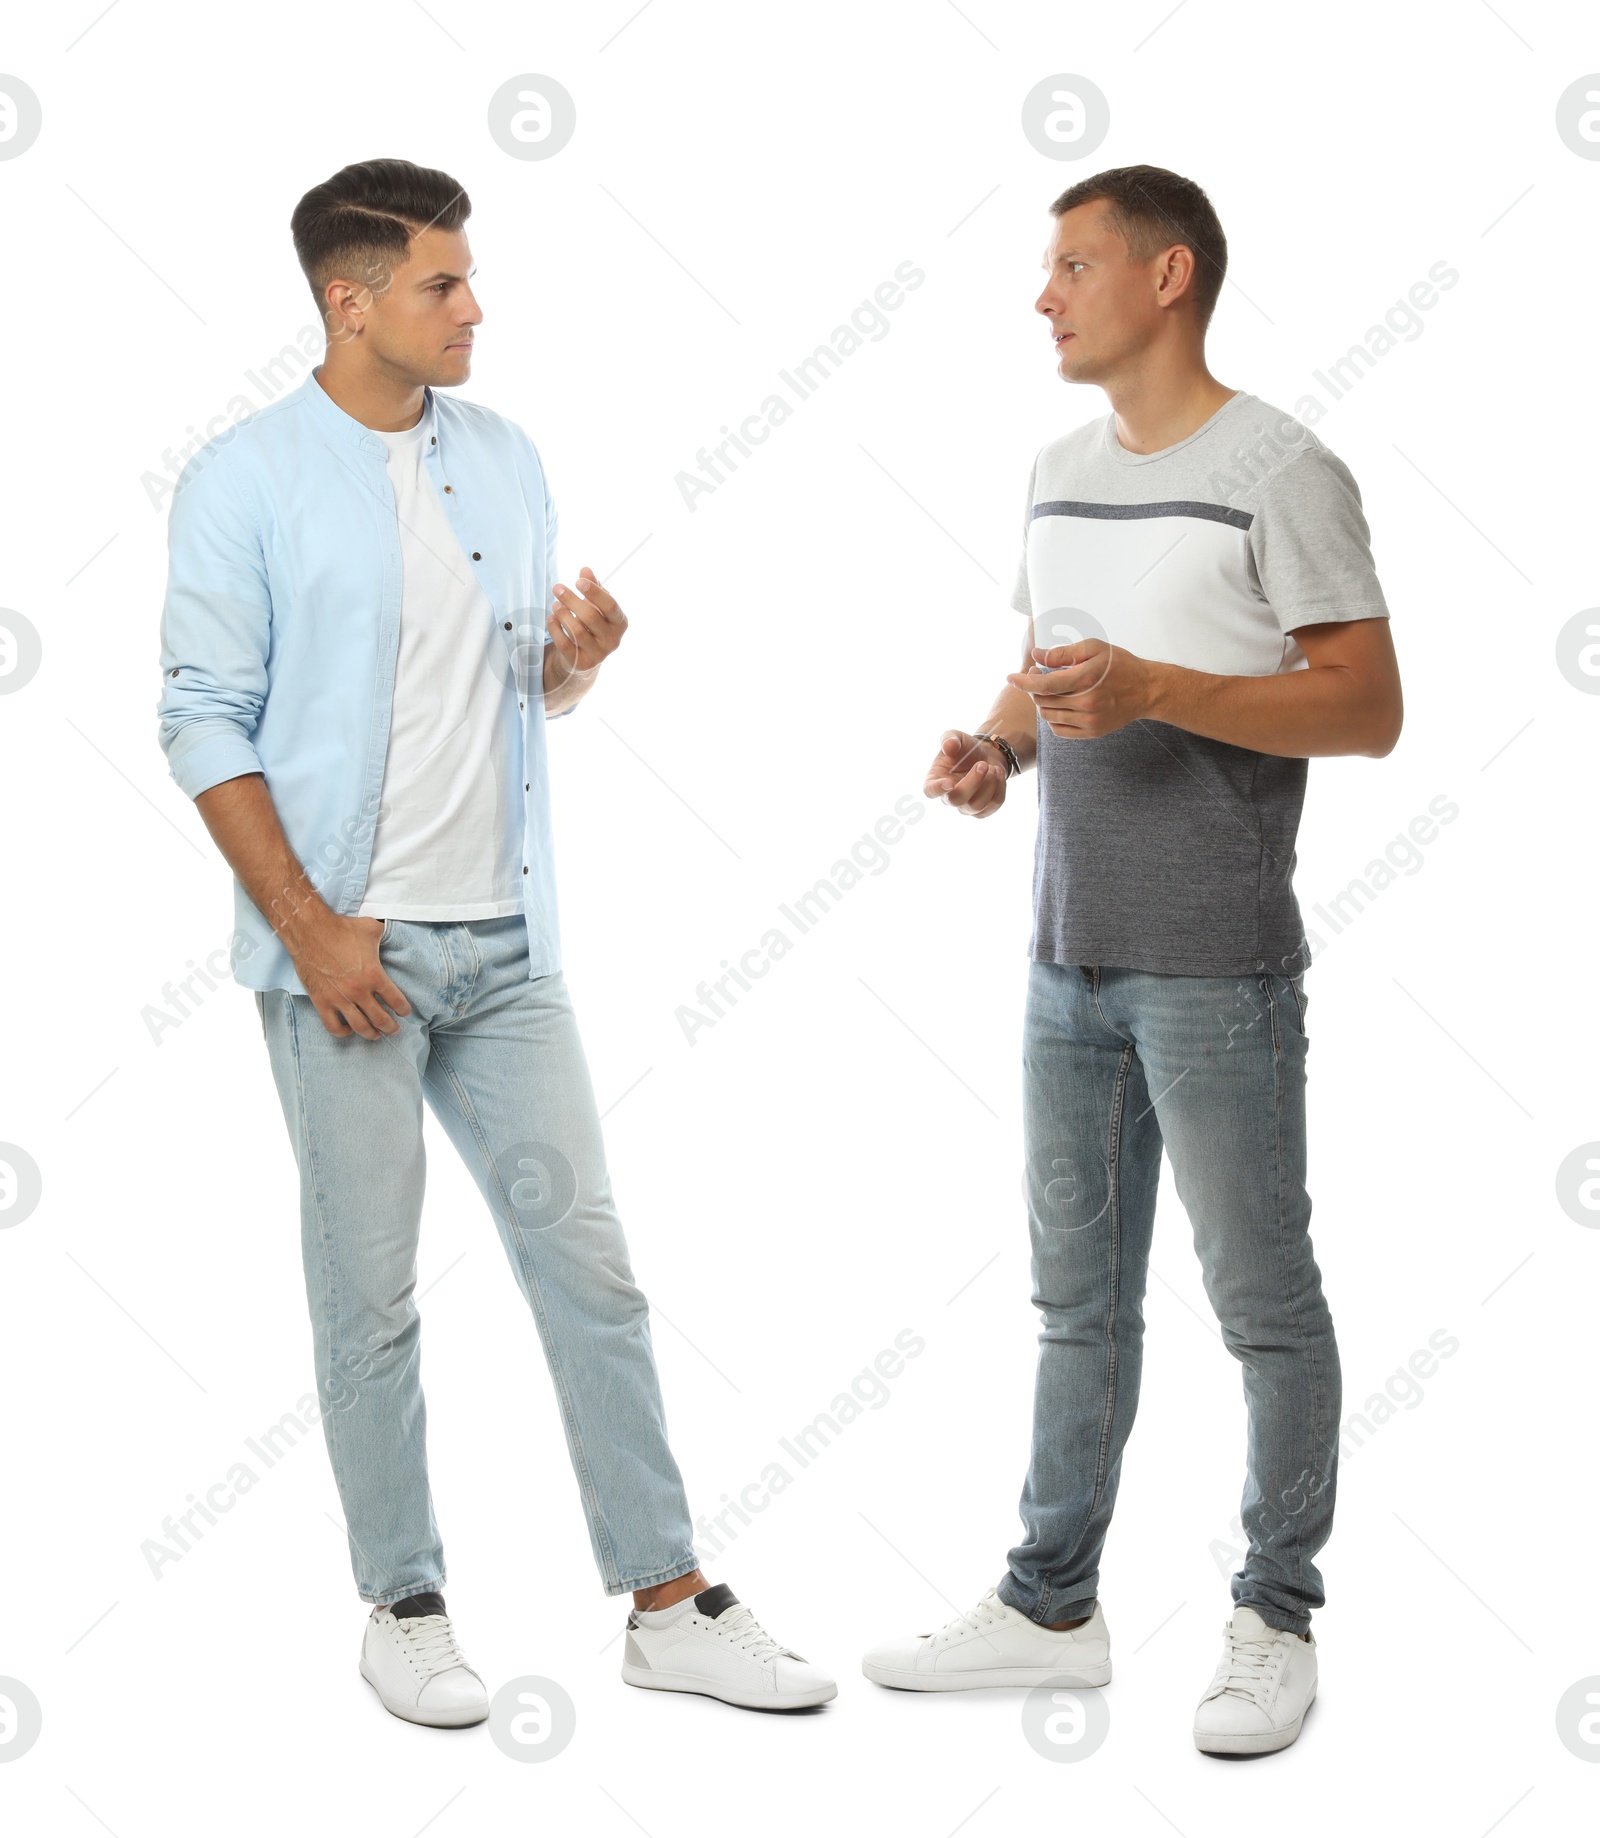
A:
<point x="1089" y="688"/>
<point x="586" y="625"/>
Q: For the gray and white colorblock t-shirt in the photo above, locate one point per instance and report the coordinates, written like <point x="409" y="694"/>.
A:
<point x="1159" y="849"/>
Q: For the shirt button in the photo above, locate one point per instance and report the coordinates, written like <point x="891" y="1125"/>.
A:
<point x="522" y="705"/>
<point x="508" y="625"/>
<point x="524" y="870"/>
<point x="476" y="556"/>
<point x="449" y="488"/>
<point x="174" y="673"/>
<point x="433" y="440"/>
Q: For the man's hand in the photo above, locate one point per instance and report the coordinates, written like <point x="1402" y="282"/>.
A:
<point x="968" y="774"/>
<point x="1088" y="688"/>
<point x="337" y="958"/>
<point x="586" y="625"/>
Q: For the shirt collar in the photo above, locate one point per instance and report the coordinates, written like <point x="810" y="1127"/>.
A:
<point x="346" y="427"/>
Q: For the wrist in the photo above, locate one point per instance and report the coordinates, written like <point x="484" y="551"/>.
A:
<point x="1158" y="687"/>
<point x="1003" y="747"/>
<point x="299" y="916"/>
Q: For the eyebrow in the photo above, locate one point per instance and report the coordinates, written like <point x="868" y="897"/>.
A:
<point x="445" y="275"/>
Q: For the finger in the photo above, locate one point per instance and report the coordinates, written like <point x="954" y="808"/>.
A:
<point x="587" y="649"/>
<point x="989" y="798"/>
<point x="961" y="792"/>
<point x="592" y="590"/>
<point x="565" y="644"/>
<point x="377" y="1016"/>
<point x="587" y="603"/>
<point x="349" y="1011"/>
<point x="1088" y="671"/>
<point x="583" y="617"/>
<point x="331" y="1019"/>
<point x="392" y="993"/>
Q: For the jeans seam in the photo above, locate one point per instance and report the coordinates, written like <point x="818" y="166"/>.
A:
<point x="1280" y="1171"/>
<point x="1114" y="1286"/>
<point x="477" y="966"/>
<point x="1272" y="1010"/>
<point x="591" y="1497"/>
<point x="334" y="1301"/>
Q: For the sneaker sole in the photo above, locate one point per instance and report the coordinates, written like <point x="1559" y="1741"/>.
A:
<point x="997" y="1678"/>
<point x="411" y="1713"/>
<point x="1264" y="1743"/>
<point x="708" y="1688"/>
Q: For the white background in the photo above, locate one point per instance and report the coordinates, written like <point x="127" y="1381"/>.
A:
<point x="839" y="1158"/>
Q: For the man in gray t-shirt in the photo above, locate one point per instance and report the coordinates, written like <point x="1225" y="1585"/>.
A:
<point x="1162" y="849"/>
<point x="1203" y="618"/>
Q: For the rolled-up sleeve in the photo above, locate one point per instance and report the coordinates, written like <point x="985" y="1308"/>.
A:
<point x="216" y="630"/>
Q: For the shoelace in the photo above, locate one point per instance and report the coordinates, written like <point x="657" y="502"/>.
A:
<point x="432" y="1643"/>
<point x="974" y="1621"/>
<point x="743" y="1630"/>
<point x="1246" y="1670"/>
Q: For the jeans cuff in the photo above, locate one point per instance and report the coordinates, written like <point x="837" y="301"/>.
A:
<point x="1283" y="1619"/>
<point x="391" y="1596"/>
<point x="1043" y="1608"/>
<point x="685" y="1567"/>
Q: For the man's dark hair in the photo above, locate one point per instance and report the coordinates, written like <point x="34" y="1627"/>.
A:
<point x="357" y="225"/>
<point x="1151" y="209"/>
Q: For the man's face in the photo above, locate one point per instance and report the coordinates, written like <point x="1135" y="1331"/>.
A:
<point x="1103" y="308"/>
<point x="420" y="328"/>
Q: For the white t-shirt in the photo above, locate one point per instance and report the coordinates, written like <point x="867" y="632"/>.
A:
<point x="448" y="844"/>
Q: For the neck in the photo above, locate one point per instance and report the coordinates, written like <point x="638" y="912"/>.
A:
<point x="375" y="397"/>
<point x="1164" y="399"/>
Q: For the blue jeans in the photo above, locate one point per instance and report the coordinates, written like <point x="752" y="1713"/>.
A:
<point x="498" y="1060"/>
<point x="1117" y="1063"/>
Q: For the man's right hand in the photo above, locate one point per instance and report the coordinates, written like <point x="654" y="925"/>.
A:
<point x="967" y="773"/>
<point x="339" y="964"/>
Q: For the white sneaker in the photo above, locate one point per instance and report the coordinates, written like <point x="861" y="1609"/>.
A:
<point x="418" y="1671"/>
<point x="711" y="1643"/>
<point x="994" y="1645"/>
<point x="1263" y="1688"/>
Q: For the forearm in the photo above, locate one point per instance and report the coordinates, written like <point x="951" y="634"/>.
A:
<point x="1015" y="720"/>
<point x="1300" y="714"/>
<point x="244" y="825"/>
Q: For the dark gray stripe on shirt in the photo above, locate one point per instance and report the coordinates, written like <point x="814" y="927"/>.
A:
<point x="1212" y="513"/>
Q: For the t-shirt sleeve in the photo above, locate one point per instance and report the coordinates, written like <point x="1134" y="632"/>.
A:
<point x="1310" y="549"/>
<point x="1021" y="599"/>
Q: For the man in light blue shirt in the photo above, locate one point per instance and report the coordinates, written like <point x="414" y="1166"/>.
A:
<point x="357" y="668"/>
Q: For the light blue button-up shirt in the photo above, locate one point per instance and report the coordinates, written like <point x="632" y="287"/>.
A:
<point x="282" y="626"/>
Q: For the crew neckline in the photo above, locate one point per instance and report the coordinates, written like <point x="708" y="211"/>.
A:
<point x="399" y="438"/>
<point x="1116" y="450"/>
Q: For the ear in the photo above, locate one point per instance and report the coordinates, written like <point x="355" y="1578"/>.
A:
<point x="1176" y="279"/>
<point x="344" y="313"/>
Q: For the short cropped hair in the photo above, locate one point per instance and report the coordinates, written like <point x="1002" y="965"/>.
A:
<point x="1151" y="209"/>
<point x="358" y="225"/>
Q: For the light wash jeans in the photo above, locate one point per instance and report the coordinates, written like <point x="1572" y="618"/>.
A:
<point x="498" y="1060"/>
<point x="1117" y="1063"/>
